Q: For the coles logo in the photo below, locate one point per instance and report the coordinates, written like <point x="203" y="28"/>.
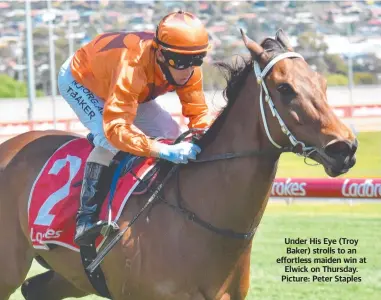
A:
<point x="367" y="189"/>
<point x="288" y="188"/>
<point x="49" y="234"/>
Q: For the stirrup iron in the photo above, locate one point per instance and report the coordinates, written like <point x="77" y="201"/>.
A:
<point x="108" y="228"/>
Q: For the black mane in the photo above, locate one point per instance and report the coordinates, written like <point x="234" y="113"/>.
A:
<point x="235" y="75"/>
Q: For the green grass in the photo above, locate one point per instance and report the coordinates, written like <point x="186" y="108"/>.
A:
<point x="368" y="161"/>
<point x="358" y="221"/>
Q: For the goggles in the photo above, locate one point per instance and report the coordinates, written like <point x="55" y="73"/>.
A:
<point x="182" y="61"/>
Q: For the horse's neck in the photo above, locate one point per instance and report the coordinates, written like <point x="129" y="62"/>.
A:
<point x="232" y="193"/>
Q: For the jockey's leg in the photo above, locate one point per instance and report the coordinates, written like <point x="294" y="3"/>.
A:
<point x="90" y="204"/>
<point x="89" y="109"/>
<point x="155" y="121"/>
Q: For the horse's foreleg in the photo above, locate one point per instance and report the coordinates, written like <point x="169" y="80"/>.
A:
<point x="49" y="286"/>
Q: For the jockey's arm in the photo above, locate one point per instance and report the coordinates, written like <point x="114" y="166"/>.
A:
<point x="193" y="103"/>
<point x="120" y="112"/>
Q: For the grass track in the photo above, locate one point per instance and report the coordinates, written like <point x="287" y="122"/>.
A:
<point x="368" y="161"/>
<point x="320" y="220"/>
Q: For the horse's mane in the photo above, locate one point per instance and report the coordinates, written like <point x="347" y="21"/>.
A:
<point x="235" y="75"/>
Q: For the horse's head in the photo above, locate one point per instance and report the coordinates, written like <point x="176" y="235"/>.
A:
<point x="294" y="106"/>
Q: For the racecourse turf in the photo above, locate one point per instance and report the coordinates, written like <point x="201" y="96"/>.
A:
<point x="320" y="220"/>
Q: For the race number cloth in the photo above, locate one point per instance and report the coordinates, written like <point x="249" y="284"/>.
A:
<point x="54" y="198"/>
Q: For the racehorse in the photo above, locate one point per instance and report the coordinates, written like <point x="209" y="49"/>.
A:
<point x="275" y="103"/>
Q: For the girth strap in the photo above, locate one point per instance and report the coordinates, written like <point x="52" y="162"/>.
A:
<point x="96" y="278"/>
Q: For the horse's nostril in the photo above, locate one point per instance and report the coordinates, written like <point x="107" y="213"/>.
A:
<point x="341" y="148"/>
<point x="354" y="146"/>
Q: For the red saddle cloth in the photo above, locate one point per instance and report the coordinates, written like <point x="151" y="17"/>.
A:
<point x="54" y="198"/>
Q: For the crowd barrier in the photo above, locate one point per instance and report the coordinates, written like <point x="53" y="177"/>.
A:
<point x="345" y="188"/>
<point x="358" y="111"/>
<point x="10" y="129"/>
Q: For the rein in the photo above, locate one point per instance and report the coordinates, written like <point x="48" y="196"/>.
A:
<point x="230" y="155"/>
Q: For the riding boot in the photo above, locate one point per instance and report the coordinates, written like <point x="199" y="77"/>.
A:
<point x="87" y="226"/>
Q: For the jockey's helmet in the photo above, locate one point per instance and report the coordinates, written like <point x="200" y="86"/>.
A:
<point x="183" y="40"/>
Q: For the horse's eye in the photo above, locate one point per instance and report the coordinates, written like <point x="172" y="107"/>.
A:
<point x="285" y="89"/>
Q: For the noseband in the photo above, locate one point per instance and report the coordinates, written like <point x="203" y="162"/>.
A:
<point x="297" y="146"/>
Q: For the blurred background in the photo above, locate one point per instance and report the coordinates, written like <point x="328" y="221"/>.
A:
<point x="340" y="39"/>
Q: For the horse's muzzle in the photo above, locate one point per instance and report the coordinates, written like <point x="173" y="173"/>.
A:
<point x="337" y="157"/>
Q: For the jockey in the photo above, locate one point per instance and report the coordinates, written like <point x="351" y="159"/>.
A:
<point x="111" y="84"/>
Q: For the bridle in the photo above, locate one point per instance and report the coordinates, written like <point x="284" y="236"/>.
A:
<point x="298" y="147"/>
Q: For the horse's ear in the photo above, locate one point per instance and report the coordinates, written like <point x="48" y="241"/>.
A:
<point x="282" y="38"/>
<point x="256" y="50"/>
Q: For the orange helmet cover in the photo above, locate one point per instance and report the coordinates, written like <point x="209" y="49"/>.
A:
<point x="182" y="32"/>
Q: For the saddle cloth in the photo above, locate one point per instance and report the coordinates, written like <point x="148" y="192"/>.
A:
<point x="54" y="197"/>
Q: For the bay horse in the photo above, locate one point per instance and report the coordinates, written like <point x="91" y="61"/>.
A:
<point x="275" y="102"/>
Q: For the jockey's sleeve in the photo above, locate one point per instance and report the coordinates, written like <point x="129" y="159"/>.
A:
<point x="193" y="103"/>
<point x="120" y="111"/>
